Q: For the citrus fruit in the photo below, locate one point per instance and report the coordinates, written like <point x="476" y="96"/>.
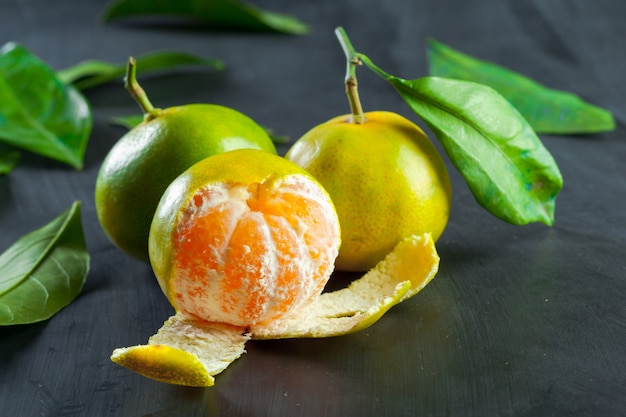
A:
<point x="243" y="243"/>
<point x="189" y="351"/>
<point x="243" y="237"/>
<point x="385" y="177"/>
<point x="141" y="165"/>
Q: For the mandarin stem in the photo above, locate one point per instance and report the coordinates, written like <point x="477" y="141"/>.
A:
<point x="352" y="91"/>
<point x="133" y="87"/>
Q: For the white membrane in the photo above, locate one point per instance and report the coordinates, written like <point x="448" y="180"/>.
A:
<point x="206" y="298"/>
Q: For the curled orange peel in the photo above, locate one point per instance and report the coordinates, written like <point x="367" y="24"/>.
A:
<point x="188" y="351"/>
<point x="185" y="351"/>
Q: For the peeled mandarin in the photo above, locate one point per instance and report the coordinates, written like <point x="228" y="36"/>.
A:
<point x="243" y="237"/>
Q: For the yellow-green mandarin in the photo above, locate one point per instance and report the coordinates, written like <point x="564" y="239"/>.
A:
<point x="386" y="179"/>
<point x="138" y="169"/>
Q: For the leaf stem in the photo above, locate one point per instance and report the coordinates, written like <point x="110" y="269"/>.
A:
<point x="353" y="59"/>
<point x="364" y="59"/>
<point x="133" y="87"/>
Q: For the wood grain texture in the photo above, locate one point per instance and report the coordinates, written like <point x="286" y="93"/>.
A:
<point x="520" y="321"/>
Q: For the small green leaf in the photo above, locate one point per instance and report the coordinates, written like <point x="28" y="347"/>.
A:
<point x="507" y="168"/>
<point x="8" y="160"/>
<point x="547" y="110"/>
<point x="44" y="270"/>
<point x="276" y="139"/>
<point x="131" y="121"/>
<point x="88" y="69"/>
<point x="38" y="112"/>
<point x="128" y="122"/>
<point x="92" y="73"/>
<point x="216" y="14"/>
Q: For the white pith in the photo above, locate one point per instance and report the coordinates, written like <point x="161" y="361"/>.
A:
<point x="210" y="302"/>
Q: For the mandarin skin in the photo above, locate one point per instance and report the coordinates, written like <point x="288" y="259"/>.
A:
<point x="385" y="177"/>
<point x="141" y="165"/>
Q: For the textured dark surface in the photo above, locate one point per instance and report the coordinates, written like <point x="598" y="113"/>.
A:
<point x="521" y="321"/>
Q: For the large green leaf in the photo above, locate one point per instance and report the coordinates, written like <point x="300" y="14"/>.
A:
<point x="216" y="14"/>
<point x="44" y="270"/>
<point x="505" y="164"/>
<point x="547" y="110"/>
<point x="38" y="112"/>
<point x="91" y="73"/>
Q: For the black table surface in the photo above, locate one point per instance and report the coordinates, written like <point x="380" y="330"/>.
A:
<point x="520" y="321"/>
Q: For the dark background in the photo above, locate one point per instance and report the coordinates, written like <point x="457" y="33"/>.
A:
<point x="520" y="321"/>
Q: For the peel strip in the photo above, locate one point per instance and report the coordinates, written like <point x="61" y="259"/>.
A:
<point x="366" y="300"/>
<point x="185" y="351"/>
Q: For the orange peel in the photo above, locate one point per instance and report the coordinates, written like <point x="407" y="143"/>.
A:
<point x="189" y="351"/>
<point x="408" y="268"/>
<point x="185" y="351"/>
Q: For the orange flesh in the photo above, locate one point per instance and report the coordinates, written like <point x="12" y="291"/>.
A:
<point x="245" y="254"/>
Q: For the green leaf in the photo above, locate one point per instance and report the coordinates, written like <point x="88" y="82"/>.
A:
<point x="38" y="112"/>
<point x="8" y="160"/>
<point x="92" y="73"/>
<point x="276" y="139"/>
<point x="44" y="270"/>
<point x="216" y="14"/>
<point x="547" y="110"/>
<point x="507" y="168"/>
<point x="128" y="122"/>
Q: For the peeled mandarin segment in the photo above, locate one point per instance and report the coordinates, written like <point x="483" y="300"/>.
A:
<point x="185" y="351"/>
<point x="407" y="269"/>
